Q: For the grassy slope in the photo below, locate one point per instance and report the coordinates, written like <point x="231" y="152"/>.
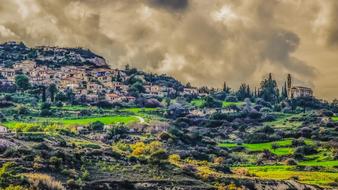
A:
<point x="127" y="116"/>
<point x="282" y="121"/>
<point x="81" y="121"/>
<point x="200" y="103"/>
<point x="287" y="172"/>
<point x="283" y="144"/>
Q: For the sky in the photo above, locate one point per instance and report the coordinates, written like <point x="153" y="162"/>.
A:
<point x="205" y="42"/>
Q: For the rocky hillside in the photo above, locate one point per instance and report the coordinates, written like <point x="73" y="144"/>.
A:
<point x="13" y="52"/>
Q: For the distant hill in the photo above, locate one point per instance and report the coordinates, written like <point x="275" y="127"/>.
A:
<point x="13" y="52"/>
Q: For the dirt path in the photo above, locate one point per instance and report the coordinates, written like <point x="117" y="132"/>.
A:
<point x="141" y="119"/>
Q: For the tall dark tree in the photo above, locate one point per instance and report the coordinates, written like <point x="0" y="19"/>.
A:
<point x="226" y="88"/>
<point x="70" y="95"/>
<point x="284" y="92"/>
<point x="43" y="93"/>
<point x="22" y="82"/>
<point x="243" y="92"/>
<point x="52" y="89"/>
<point x="136" y="89"/>
<point x="118" y="77"/>
<point x="204" y="89"/>
<point x="269" y="90"/>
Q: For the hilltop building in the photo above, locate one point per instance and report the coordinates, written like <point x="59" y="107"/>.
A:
<point x="297" y="91"/>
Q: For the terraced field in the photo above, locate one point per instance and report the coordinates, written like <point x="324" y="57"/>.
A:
<point x="284" y="146"/>
<point x="322" y="178"/>
<point x="200" y="103"/>
<point x="75" y="121"/>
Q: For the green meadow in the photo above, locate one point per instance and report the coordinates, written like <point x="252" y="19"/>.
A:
<point x="76" y="121"/>
<point x="335" y="118"/>
<point x="322" y="178"/>
<point x="200" y="103"/>
<point x="284" y="146"/>
<point x="283" y="121"/>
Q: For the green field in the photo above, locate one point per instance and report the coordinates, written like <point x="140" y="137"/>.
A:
<point x="331" y="163"/>
<point x="73" y="108"/>
<point x="282" y="121"/>
<point x="227" y="104"/>
<point x="288" y="172"/>
<point x="200" y="103"/>
<point x="335" y="118"/>
<point x="77" y="121"/>
<point x="138" y="110"/>
<point x="284" y="146"/>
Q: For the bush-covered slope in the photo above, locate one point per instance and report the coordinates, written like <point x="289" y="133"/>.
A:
<point x="13" y="52"/>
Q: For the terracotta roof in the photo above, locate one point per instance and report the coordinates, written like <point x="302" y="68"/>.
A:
<point x="112" y="95"/>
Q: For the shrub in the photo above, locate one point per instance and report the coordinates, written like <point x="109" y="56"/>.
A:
<point x="265" y="110"/>
<point x="291" y="162"/>
<point x="142" y="149"/>
<point x="85" y="174"/>
<point x="211" y="102"/>
<point x="15" y="187"/>
<point x="55" y="162"/>
<point x="6" y="104"/>
<point x="45" y="113"/>
<point x="22" y="110"/>
<point x="177" y="110"/>
<point x="59" y="104"/>
<point x="152" y="103"/>
<point x="305" y="132"/>
<point x="326" y="113"/>
<point x="6" y="173"/>
<point x="267" y="130"/>
<point x="294" y="177"/>
<point x="262" y="102"/>
<point x="298" y="156"/>
<point x="269" y="117"/>
<point x="306" y="150"/>
<point x="298" y="142"/>
<point x="257" y="138"/>
<point x="287" y="110"/>
<point x="158" y="155"/>
<point x="5" y="144"/>
<point x="2" y="117"/>
<point x="85" y="113"/>
<point x="189" y="169"/>
<point x="174" y="158"/>
<point x="118" y="129"/>
<point x="254" y="114"/>
<point x="164" y="136"/>
<point x="43" y="181"/>
<point x="45" y="106"/>
<point x="241" y="171"/>
<point x="231" y="99"/>
<point x="96" y="126"/>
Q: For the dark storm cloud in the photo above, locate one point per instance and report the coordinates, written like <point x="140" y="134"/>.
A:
<point x="204" y="42"/>
<point x="279" y="48"/>
<point x="171" y="4"/>
<point x="332" y="39"/>
<point x="326" y="23"/>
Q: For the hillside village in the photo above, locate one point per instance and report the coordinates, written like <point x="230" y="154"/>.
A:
<point x="87" y="83"/>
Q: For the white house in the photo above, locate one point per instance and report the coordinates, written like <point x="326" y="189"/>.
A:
<point x="3" y="129"/>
